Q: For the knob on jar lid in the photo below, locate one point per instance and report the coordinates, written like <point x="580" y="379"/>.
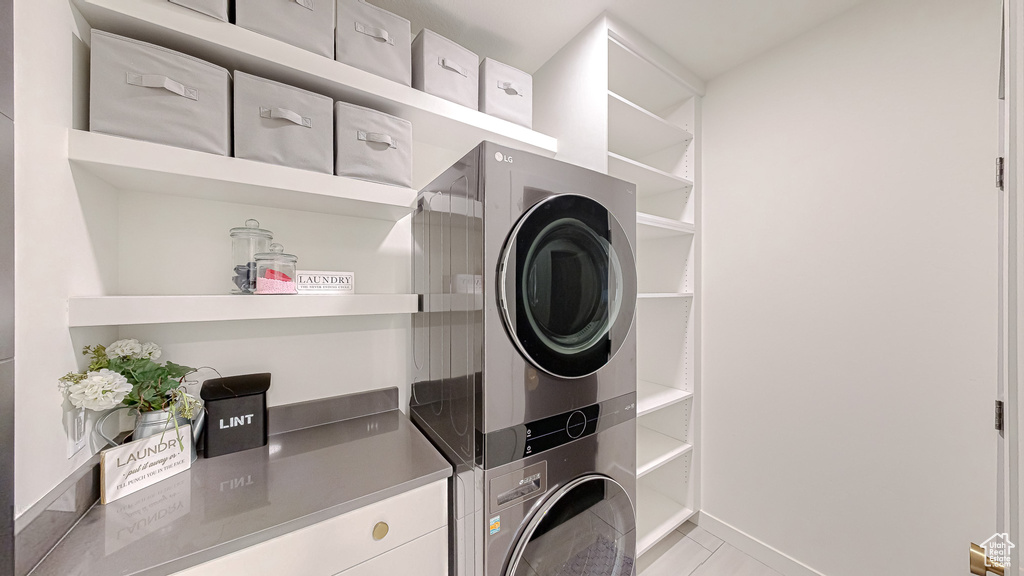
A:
<point x="277" y="254"/>
<point x="251" y="230"/>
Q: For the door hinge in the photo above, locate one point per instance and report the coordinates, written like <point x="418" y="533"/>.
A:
<point x="999" y="172"/>
<point x="999" y="415"/>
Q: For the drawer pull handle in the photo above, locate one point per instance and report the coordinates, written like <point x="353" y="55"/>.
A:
<point x="380" y="531"/>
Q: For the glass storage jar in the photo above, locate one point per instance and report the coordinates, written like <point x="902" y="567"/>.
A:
<point x="246" y="242"/>
<point x="275" y="271"/>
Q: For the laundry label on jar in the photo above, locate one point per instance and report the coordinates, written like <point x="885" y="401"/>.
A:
<point x="495" y="525"/>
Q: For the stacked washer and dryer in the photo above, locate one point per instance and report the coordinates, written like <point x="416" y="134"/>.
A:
<point x="525" y="362"/>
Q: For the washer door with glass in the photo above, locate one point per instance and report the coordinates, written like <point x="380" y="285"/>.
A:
<point x="587" y="528"/>
<point x="568" y="280"/>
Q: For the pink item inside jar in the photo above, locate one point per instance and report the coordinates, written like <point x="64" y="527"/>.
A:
<point x="271" y="286"/>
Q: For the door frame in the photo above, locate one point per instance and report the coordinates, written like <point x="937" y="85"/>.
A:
<point x="1012" y="284"/>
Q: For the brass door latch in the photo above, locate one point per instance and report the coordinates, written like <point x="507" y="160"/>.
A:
<point x="982" y="565"/>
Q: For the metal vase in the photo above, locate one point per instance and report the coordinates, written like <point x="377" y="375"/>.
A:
<point x="160" y="421"/>
<point x="156" y="422"/>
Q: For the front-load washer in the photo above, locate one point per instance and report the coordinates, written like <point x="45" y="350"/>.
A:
<point x="564" y="504"/>
<point x="527" y="277"/>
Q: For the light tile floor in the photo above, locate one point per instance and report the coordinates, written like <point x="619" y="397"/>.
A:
<point x="693" y="551"/>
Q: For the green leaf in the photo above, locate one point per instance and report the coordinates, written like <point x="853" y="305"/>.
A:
<point x="177" y="371"/>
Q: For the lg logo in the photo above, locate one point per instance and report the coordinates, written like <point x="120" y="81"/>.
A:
<point x="502" y="158"/>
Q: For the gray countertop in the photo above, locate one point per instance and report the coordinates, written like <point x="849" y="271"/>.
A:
<point x="230" y="502"/>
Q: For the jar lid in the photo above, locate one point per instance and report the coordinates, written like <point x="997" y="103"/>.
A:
<point x="277" y="254"/>
<point x="251" y="230"/>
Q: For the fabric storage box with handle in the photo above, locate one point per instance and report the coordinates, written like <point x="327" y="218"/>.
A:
<point x="148" y="92"/>
<point x="372" y="145"/>
<point x="506" y="92"/>
<point x="215" y="8"/>
<point x="279" y="124"/>
<point x="375" y="40"/>
<point x="308" y="24"/>
<point x="443" y="68"/>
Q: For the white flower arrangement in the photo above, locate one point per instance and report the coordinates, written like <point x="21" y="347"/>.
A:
<point x="127" y="373"/>
<point x="151" y="351"/>
<point x="101" y="390"/>
<point x="131" y="348"/>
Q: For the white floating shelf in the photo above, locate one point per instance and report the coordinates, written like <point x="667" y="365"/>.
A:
<point x="144" y="166"/>
<point x="657" y="516"/>
<point x="634" y="132"/>
<point x="435" y="120"/>
<point x="651" y="396"/>
<point x="653" y="295"/>
<point x="131" y="310"/>
<point x="650" y="227"/>
<point x="654" y="449"/>
<point x="649" y="180"/>
<point x="642" y="81"/>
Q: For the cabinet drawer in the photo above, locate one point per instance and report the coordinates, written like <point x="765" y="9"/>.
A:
<point x="335" y="545"/>
<point x="424" y="556"/>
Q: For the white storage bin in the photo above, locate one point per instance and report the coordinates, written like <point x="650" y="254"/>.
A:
<point x="216" y="8"/>
<point x="506" y="92"/>
<point x="308" y="24"/>
<point x="443" y="68"/>
<point x="375" y="40"/>
<point x="148" y="92"/>
<point x="372" y="145"/>
<point x="280" y="124"/>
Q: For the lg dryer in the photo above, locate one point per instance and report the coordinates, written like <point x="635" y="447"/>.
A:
<point x="526" y="271"/>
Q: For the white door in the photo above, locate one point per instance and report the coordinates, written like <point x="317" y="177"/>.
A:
<point x="1000" y="552"/>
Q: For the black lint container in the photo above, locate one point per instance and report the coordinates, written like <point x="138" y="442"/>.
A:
<point x="236" y="413"/>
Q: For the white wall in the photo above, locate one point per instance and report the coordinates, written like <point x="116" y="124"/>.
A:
<point x="850" y="290"/>
<point x="570" y="91"/>
<point x="78" y="236"/>
<point x="57" y="249"/>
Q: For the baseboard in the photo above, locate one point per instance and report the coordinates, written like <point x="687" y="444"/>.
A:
<point x="753" y="547"/>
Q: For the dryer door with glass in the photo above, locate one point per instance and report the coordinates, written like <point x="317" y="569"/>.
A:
<point x="565" y="291"/>
<point x="585" y="528"/>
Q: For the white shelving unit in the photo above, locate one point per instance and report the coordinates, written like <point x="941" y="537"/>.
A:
<point x="657" y="515"/>
<point x="152" y="168"/>
<point x="435" y="120"/>
<point x="144" y="166"/>
<point x="634" y="132"/>
<point x="651" y="397"/>
<point x="135" y="310"/>
<point x="655" y="449"/>
<point x="649" y="181"/>
<point x="653" y="139"/>
<point x="651" y="227"/>
<point x="651" y="295"/>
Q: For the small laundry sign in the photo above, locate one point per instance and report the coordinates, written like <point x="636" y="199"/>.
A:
<point x="136" y="465"/>
<point x="318" y="282"/>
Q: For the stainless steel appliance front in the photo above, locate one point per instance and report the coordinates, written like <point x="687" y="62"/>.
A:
<point x="525" y="266"/>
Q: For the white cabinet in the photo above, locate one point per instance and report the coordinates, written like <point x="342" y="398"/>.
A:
<point x="425" y="556"/>
<point x="416" y="539"/>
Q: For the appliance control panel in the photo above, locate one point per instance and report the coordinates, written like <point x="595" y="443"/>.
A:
<point x="553" y="431"/>
<point x="525" y="440"/>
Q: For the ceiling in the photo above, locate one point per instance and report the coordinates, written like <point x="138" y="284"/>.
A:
<point x="706" y="36"/>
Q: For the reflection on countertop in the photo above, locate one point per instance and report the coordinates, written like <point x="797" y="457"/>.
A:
<point x="230" y="502"/>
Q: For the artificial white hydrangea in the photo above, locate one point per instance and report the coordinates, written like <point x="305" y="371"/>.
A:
<point x="130" y="347"/>
<point x="101" y="390"/>
<point x="150" y="350"/>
